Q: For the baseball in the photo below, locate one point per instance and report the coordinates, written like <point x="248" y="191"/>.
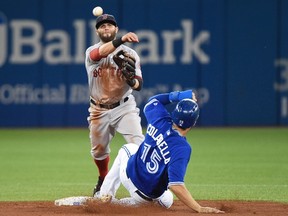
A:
<point x="97" y="11"/>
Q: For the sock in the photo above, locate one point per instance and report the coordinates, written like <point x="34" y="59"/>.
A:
<point x="102" y="166"/>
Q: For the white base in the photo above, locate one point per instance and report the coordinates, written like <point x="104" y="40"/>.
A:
<point x="72" y="201"/>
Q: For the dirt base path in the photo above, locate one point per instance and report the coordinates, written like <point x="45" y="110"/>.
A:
<point x="230" y="207"/>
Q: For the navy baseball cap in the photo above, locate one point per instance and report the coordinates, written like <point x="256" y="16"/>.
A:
<point x="105" y="18"/>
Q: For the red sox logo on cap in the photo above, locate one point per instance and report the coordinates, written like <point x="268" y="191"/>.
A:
<point x="105" y="18"/>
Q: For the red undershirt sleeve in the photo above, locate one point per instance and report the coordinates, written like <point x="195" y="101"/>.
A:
<point x="95" y="55"/>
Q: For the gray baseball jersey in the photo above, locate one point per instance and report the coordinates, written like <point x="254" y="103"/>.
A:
<point x="106" y="82"/>
<point x="108" y="86"/>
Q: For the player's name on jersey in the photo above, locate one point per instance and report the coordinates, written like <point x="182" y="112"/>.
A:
<point x="160" y="142"/>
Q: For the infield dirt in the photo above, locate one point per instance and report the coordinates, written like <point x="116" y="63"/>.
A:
<point x="41" y="208"/>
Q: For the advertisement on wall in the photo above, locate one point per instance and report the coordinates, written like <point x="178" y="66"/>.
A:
<point x="237" y="67"/>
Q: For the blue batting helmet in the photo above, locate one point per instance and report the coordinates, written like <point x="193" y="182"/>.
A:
<point x="186" y="113"/>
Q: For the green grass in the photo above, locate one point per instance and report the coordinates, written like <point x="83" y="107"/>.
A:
<point x="226" y="164"/>
<point x="240" y="164"/>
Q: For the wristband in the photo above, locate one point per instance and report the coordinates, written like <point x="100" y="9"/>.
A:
<point x="131" y="83"/>
<point x="117" y="42"/>
<point x="179" y="95"/>
<point x="185" y="94"/>
<point x="173" y="96"/>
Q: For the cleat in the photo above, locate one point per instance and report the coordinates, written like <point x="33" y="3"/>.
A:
<point x="98" y="186"/>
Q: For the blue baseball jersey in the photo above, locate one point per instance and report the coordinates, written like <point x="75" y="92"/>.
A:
<point x="163" y="156"/>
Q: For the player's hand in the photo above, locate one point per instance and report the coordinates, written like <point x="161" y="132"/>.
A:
<point x="210" y="210"/>
<point x="130" y="37"/>
<point x="194" y="97"/>
<point x="106" y="198"/>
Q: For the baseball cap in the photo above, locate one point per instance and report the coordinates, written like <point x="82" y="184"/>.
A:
<point x="105" y="18"/>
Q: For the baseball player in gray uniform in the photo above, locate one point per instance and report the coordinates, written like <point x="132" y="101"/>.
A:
<point x="113" y="71"/>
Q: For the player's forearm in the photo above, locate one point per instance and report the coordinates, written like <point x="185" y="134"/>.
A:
<point x="101" y="52"/>
<point x="180" y="95"/>
<point x="175" y="96"/>
<point x="162" y="98"/>
<point x="138" y="84"/>
<point x="106" y="49"/>
<point x="184" y="195"/>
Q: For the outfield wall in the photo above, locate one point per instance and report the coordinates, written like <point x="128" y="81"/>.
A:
<point x="233" y="53"/>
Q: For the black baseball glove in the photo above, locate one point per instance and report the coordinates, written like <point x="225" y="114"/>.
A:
<point x="126" y="64"/>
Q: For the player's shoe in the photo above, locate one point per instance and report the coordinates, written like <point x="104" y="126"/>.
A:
<point x="98" y="185"/>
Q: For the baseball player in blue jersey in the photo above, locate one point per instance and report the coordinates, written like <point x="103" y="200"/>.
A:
<point x="151" y="171"/>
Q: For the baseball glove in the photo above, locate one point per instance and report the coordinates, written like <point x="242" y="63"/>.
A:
<point x="126" y="64"/>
